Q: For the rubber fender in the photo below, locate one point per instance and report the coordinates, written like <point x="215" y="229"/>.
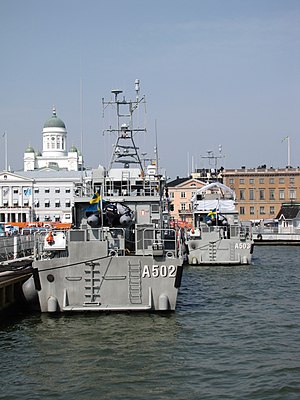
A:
<point x="36" y="278"/>
<point x="178" y="278"/>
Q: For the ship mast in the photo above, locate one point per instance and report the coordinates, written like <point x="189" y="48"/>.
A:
<point x="212" y="158"/>
<point x="125" y="150"/>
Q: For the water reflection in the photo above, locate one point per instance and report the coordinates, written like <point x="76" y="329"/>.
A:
<point x="78" y="354"/>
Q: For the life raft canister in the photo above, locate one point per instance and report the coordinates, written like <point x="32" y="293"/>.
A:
<point x="50" y="238"/>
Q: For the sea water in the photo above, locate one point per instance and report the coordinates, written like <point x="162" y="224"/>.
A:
<point x="235" y="335"/>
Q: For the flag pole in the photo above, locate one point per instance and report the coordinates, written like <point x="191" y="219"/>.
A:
<point x="5" y="148"/>
<point x="289" y="152"/>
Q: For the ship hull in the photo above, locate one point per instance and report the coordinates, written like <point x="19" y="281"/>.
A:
<point x="92" y="278"/>
<point x="212" y="250"/>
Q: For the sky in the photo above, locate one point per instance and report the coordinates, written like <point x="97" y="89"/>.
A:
<point x="216" y="74"/>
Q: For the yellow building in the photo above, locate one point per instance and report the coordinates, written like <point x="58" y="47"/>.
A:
<point x="261" y="191"/>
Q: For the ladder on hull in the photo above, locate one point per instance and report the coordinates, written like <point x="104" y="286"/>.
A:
<point x="135" y="282"/>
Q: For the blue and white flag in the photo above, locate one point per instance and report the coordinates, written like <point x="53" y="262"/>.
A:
<point x="27" y="192"/>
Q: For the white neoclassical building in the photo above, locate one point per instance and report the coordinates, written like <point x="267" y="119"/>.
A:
<point x="46" y="195"/>
<point x="51" y="179"/>
<point x="54" y="153"/>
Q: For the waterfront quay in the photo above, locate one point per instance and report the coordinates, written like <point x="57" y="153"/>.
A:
<point x="11" y="280"/>
<point x="15" y="268"/>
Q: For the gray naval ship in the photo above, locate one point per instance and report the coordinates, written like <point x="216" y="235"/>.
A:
<point x="122" y="254"/>
<point x="218" y="237"/>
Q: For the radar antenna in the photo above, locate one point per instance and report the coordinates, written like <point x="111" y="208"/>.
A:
<point x="213" y="162"/>
<point x="125" y="150"/>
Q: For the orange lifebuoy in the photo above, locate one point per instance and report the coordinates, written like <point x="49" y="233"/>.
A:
<point x="50" y="238"/>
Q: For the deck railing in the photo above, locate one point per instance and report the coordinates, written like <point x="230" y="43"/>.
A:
<point x="145" y="240"/>
<point x="14" y="247"/>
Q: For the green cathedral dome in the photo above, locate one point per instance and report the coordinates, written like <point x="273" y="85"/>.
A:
<point x="54" y="121"/>
<point x="29" y="149"/>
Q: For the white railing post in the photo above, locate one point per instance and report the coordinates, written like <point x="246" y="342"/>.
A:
<point x="16" y="247"/>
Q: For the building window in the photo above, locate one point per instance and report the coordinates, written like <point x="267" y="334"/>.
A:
<point x="242" y="194"/>
<point x="242" y="181"/>
<point x="182" y="206"/>
<point x="67" y="216"/>
<point x="272" y="194"/>
<point x="57" y="203"/>
<point x="5" y="191"/>
<point x="26" y="203"/>
<point x="154" y="208"/>
<point x="231" y="181"/>
<point x="47" y="190"/>
<point x="272" y="181"/>
<point x="281" y="194"/>
<point x="272" y="210"/>
<point x="16" y="191"/>
<point x="262" y="210"/>
<point x="68" y="190"/>
<point x="292" y="194"/>
<point x="68" y="203"/>
<point x="251" y="181"/>
<point x="292" y="180"/>
<point x="36" y="190"/>
<point x="171" y="195"/>
<point x="57" y="190"/>
<point x="261" y="194"/>
<point x="47" y="203"/>
<point x="261" y="180"/>
<point x="182" y="195"/>
<point x="281" y="180"/>
<point x="251" y="194"/>
<point x="242" y="210"/>
<point x="252" y="210"/>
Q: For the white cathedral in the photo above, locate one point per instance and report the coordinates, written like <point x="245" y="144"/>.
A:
<point x="54" y="154"/>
